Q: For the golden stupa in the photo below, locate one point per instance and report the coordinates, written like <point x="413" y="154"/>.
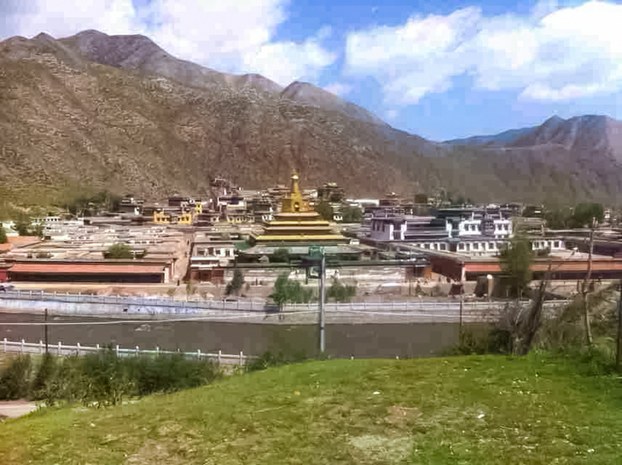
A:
<point x="298" y="223"/>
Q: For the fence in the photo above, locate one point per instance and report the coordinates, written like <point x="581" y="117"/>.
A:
<point x="61" y="349"/>
<point x="170" y="305"/>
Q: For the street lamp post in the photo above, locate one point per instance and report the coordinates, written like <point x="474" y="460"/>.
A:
<point x="322" y="302"/>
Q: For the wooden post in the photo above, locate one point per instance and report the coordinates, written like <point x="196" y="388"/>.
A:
<point x="46" y="331"/>
<point x="460" y="327"/>
<point x="619" y="344"/>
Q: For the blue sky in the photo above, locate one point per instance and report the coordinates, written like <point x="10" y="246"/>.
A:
<point x="440" y="69"/>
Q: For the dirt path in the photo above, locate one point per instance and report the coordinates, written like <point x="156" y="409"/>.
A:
<point x="16" y="408"/>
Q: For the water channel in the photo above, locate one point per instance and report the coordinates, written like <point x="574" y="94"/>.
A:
<point x="342" y="340"/>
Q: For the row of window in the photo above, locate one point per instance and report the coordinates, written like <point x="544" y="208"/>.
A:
<point x="478" y="246"/>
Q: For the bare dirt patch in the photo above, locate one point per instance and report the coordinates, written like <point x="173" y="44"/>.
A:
<point x="399" y="415"/>
<point x="380" y="449"/>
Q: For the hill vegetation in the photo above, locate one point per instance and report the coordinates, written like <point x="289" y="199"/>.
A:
<point x="478" y="410"/>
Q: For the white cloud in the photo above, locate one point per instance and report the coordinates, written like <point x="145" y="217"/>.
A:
<point x="391" y="115"/>
<point x="552" y="54"/>
<point x="230" y="35"/>
<point x="64" y="17"/>
<point x="338" y="88"/>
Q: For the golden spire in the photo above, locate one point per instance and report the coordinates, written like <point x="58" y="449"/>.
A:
<point x="294" y="202"/>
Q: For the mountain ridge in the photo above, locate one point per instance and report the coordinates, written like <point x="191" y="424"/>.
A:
<point x="121" y="113"/>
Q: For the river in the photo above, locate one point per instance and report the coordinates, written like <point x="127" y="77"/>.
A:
<point x="342" y="340"/>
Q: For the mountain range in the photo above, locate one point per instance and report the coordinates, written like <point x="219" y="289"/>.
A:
<point x="94" y="111"/>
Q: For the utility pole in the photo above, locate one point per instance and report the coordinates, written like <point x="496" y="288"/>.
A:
<point x="46" y="331"/>
<point x="322" y="300"/>
<point x="619" y="342"/>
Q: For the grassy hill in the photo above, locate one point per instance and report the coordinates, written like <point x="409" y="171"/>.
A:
<point x="463" y="410"/>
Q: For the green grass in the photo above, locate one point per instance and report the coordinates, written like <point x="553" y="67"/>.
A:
<point x="477" y="410"/>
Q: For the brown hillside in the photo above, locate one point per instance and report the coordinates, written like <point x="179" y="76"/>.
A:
<point x="117" y="112"/>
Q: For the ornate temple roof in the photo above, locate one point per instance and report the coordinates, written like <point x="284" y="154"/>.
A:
<point x="298" y="222"/>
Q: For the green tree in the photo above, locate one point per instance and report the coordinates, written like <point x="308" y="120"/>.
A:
<point x="3" y="238"/>
<point x="586" y="214"/>
<point x="558" y="218"/>
<point x="289" y="291"/>
<point x="235" y="285"/>
<point x="280" y="255"/>
<point x="119" y="251"/>
<point x="516" y="261"/>
<point x="325" y="210"/>
<point x="24" y="227"/>
<point x="341" y="293"/>
<point x="352" y="214"/>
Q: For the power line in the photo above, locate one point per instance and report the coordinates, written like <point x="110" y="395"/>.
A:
<point x="211" y="318"/>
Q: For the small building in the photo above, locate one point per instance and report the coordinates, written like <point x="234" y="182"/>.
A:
<point x="178" y="201"/>
<point x="207" y="218"/>
<point x="208" y="260"/>
<point x="131" y="205"/>
<point x="161" y="217"/>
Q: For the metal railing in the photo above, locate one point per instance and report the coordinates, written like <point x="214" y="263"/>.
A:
<point x="60" y="349"/>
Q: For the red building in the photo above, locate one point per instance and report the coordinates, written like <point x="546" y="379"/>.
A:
<point x="108" y="271"/>
<point x="461" y="268"/>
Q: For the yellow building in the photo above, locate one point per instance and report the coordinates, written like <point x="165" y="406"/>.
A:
<point x="185" y="217"/>
<point x="298" y="223"/>
<point x="161" y="217"/>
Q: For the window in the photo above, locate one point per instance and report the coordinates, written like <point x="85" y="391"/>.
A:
<point x="556" y="244"/>
<point x="476" y="246"/>
<point x="491" y="245"/>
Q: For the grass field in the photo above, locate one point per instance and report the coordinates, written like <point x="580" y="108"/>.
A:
<point x="463" y="410"/>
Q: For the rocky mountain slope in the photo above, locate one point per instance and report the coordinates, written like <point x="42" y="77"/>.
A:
<point x="118" y="112"/>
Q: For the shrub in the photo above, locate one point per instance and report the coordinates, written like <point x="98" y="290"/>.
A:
<point x="340" y="292"/>
<point x="167" y="373"/>
<point x="289" y="291"/>
<point x="280" y="255"/>
<point x="491" y="341"/>
<point x="119" y="251"/>
<point x="236" y="283"/>
<point x="271" y="359"/>
<point x="106" y="379"/>
<point x="14" y="381"/>
<point x="103" y="378"/>
<point x="43" y="377"/>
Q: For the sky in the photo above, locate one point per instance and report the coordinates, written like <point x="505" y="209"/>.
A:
<point x="439" y="69"/>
